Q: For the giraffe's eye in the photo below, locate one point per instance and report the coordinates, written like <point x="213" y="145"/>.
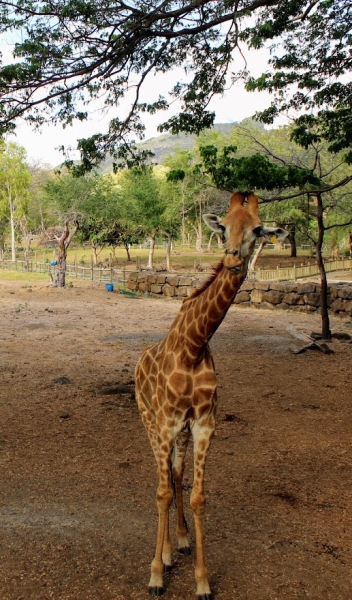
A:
<point x="257" y="230"/>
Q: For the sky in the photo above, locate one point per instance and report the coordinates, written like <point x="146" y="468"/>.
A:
<point x="234" y="106"/>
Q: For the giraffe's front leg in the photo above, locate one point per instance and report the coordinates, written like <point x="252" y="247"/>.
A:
<point x="163" y="499"/>
<point x="166" y="554"/>
<point x="202" y="434"/>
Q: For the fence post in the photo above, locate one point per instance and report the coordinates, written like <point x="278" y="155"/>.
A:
<point x="294" y="272"/>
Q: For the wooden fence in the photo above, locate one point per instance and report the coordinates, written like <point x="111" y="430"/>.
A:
<point x="108" y="274"/>
<point x="113" y="275"/>
<point x="295" y="272"/>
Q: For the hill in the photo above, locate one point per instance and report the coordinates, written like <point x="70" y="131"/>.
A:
<point x="165" y="144"/>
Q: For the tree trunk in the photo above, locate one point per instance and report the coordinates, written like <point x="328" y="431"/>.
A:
<point x="168" y="252"/>
<point x="64" y="242"/>
<point x="218" y="237"/>
<point x="60" y="279"/>
<point x="199" y="237"/>
<point x="256" y="255"/>
<point x="12" y="207"/>
<point x="151" y="249"/>
<point x="326" y="333"/>
<point x="27" y="249"/>
<point x="95" y="254"/>
<point x="210" y="240"/>
<point x="127" y="251"/>
<point x="292" y="240"/>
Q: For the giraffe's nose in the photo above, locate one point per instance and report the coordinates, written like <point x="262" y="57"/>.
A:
<point x="233" y="260"/>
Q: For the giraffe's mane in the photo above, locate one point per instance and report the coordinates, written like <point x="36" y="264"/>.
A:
<point x="198" y="291"/>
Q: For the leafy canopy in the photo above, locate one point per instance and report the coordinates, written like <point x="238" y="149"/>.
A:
<point x="310" y="70"/>
<point x="251" y="172"/>
<point x="71" y="53"/>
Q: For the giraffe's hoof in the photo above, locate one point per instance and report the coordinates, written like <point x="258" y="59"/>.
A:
<point x="185" y="550"/>
<point x="155" y="590"/>
<point x="167" y="568"/>
<point x="205" y="597"/>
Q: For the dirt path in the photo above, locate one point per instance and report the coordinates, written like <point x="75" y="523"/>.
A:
<point x="77" y="476"/>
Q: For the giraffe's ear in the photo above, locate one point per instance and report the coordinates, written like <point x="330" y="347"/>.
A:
<point x="213" y="223"/>
<point x="270" y="232"/>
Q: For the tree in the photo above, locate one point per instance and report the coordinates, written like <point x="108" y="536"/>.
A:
<point x="70" y="54"/>
<point x="15" y="180"/>
<point x="310" y="70"/>
<point x="92" y="198"/>
<point x="63" y="240"/>
<point x="68" y="195"/>
<point x="287" y="181"/>
<point x="40" y="215"/>
<point x="193" y="195"/>
<point x="93" y="230"/>
<point x="142" y="204"/>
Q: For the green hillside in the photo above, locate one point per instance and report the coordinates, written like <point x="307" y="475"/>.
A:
<point x="165" y="144"/>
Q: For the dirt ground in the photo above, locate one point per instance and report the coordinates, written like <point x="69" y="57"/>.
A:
<point x="78" y="479"/>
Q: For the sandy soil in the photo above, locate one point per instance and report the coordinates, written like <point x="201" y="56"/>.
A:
<point x="77" y="475"/>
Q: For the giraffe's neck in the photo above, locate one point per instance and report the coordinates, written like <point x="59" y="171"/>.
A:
<point x="201" y="315"/>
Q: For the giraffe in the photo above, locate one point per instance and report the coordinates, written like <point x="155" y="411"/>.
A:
<point x="176" y="386"/>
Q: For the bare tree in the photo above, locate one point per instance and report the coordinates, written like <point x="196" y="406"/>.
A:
<point x="63" y="240"/>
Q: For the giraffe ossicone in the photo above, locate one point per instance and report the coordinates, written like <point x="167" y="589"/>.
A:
<point x="176" y="385"/>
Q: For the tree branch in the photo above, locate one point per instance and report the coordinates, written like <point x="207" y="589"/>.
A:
<point x="305" y="14"/>
<point x="323" y="190"/>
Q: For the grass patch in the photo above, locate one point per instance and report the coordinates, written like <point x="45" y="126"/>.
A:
<point x="24" y="276"/>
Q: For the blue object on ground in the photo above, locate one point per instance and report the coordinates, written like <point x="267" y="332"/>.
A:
<point x="53" y="263"/>
<point x="109" y="287"/>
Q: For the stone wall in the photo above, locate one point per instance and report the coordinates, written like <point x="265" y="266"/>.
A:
<point x="284" y="295"/>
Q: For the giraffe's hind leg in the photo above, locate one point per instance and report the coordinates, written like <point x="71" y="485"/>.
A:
<point x="178" y="465"/>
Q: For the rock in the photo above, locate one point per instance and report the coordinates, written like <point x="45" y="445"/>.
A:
<point x="62" y="380"/>
<point x="345" y="293"/>
<point x="257" y="296"/>
<point x="291" y="298"/>
<point x="168" y="290"/>
<point x="242" y="296"/>
<point x="312" y="299"/>
<point x="267" y="305"/>
<point x="306" y="288"/>
<point x="120" y="388"/>
<point x="65" y="415"/>
<point x="155" y="289"/>
<point x="273" y="296"/>
<point x="262" y="285"/>
<point x="283" y="306"/>
<point x="340" y="335"/>
<point x="278" y="286"/>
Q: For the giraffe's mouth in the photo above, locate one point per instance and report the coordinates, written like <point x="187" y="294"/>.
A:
<point x="236" y="269"/>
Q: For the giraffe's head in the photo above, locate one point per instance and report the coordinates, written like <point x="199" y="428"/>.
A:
<point x="239" y="229"/>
